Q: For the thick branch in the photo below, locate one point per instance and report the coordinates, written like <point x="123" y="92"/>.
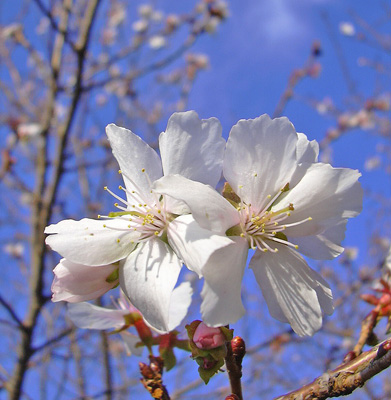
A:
<point x="347" y="377"/>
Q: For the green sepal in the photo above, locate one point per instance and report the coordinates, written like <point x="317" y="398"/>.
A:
<point x="168" y="356"/>
<point x="228" y="333"/>
<point x="114" y="276"/>
<point x="206" y="374"/>
<point x="183" y="344"/>
<point x="191" y="328"/>
<point x="132" y="318"/>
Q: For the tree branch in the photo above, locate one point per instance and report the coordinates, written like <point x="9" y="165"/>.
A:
<point x="347" y="377"/>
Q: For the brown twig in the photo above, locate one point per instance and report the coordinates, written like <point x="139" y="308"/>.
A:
<point x="152" y="378"/>
<point x="347" y="377"/>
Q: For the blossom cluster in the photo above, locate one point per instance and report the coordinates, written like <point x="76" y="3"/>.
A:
<point x="278" y="201"/>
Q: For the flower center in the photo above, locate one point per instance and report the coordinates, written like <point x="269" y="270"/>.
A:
<point x="146" y="214"/>
<point x="262" y="228"/>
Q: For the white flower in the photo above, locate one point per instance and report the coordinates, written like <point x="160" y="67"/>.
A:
<point x="347" y="29"/>
<point x="142" y="234"/>
<point x="157" y="42"/>
<point x="288" y="202"/>
<point x="140" y="25"/>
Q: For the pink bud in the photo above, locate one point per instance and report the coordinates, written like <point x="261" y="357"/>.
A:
<point x="207" y="338"/>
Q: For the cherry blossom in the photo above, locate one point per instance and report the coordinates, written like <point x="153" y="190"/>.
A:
<point x="280" y="201"/>
<point x="140" y="236"/>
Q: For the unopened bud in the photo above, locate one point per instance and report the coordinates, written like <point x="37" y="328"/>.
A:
<point x="208" y="338"/>
<point x="238" y="348"/>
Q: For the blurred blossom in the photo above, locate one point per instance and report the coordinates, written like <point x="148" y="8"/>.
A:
<point x="117" y="15"/>
<point x="347" y="29"/>
<point x="172" y="23"/>
<point x="145" y="10"/>
<point x="157" y="42"/>
<point x="43" y="26"/>
<point x="14" y="249"/>
<point x="351" y="253"/>
<point x="61" y="110"/>
<point x="219" y="9"/>
<point x="201" y="61"/>
<point x="29" y="130"/>
<point x="26" y="199"/>
<point x="140" y="26"/>
<point x="372" y="163"/>
<point x="114" y="71"/>
<point x="101" y="99"/>
<point x="109" y="35"/>
<point x="157" y="16"/>
<point x="11" y="30"/>
<point x="387" y="262"/>
<point x="212" y="24"/>
<point x="325" y="105"/>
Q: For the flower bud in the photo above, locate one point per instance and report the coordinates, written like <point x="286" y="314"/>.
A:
<point x="207" y="338"/>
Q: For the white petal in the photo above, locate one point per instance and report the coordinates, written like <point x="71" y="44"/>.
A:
<point x="130" y="342"/>
<point x="387" y="262"/>
<point x="221" y="294"/>
<point x="179" y="304"/>
<point x="306" y="151"/>
<point x="193" y="148"/>
<point x="89" y="242"/>
<point x="148" y="277"/>
<point x="260" y="157"/>
<point x="193" y="244"/>
<point x="323" y="193"/>
<point x="133" y="154"/>
<point x="293" y="292"/>
<point x="89" y="316"/>
<point x="211" y="210"/>
<point x="76" y="282"/>
<point x="324" y="246"/>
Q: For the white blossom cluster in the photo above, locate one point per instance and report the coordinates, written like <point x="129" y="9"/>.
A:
<point x="278" y="201"/>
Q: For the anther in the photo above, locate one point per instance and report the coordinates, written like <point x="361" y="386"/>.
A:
<point x="142" y="169"/>
<point x="120" y="187"/>
<point x="119" y="171"/>
<point x="105" y="188"/>
<point x="118" y="240"/>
